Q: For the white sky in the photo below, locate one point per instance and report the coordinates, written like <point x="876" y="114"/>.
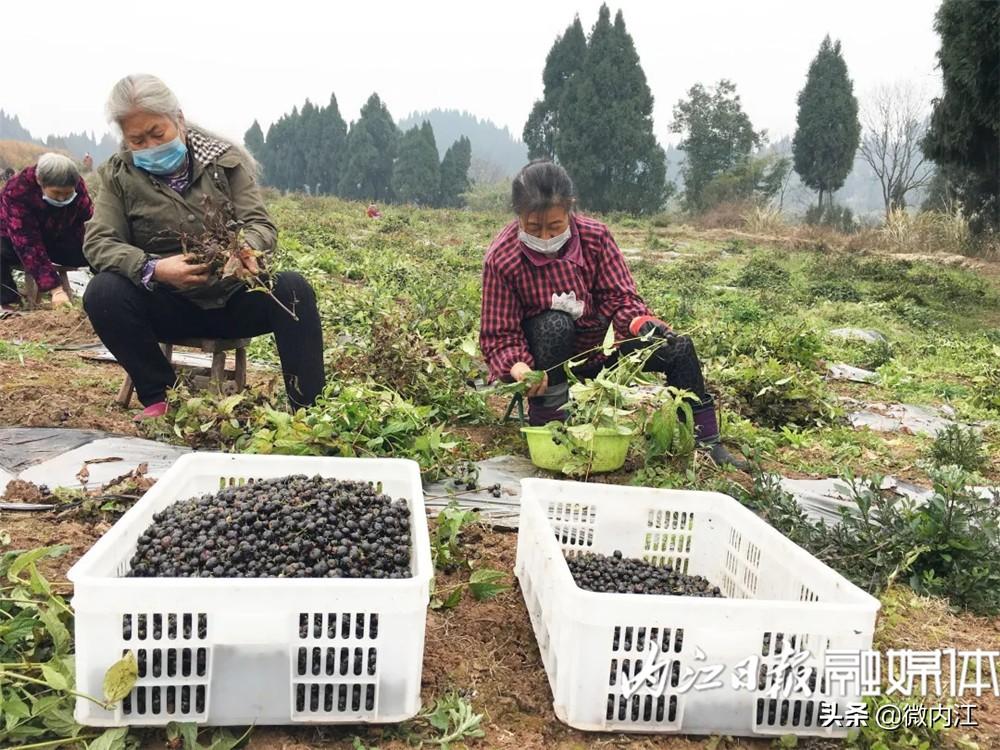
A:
<point x="230" y="62"/>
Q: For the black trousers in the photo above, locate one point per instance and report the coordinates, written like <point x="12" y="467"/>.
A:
<point x="60" y="255"/>
<point x="552" y="339"/>
<point x="131" y="322"/>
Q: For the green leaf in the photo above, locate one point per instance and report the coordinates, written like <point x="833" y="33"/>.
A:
<point x="112" y="739"/>
<point x="451" y="601"/>
<point x="222" y="739"/>
<point x="120" y="678"/>
<point x="483" y="583"/>
<point x="440" y="717"/>
<point x="31" y="556"/>
<point x="56" y="715"/>
<point x="15" y="709"/>
<point x="57" y="631"/>
<point x="608" y="346"/>
<point x="54" y="678"/>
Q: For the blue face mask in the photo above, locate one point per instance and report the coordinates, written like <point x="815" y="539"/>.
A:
<point x="163" y="159"/>
<point x="59" y="204"/>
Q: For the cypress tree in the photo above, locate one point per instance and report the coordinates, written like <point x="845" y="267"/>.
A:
<point x="309" y="141"/>
<point x="253" y="139"/>
<point x="964" y="133"/>
<point x="605" y="137"/>
<point x="827" y="127"/>
<point x="565" y="58"/>
<point x="416" y="174"/>
<point x="369" y="154"/>
<point x="333" y="140"/>
<point x="455" y="173"/>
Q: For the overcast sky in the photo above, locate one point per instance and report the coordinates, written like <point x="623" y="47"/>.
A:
<point x="231" y="62"/>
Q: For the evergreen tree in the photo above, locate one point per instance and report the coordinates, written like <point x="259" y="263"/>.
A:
<point x="964" y="133"/>
<point x="605" y="135"/>
<point x="455" y="173"/>
<point x="11" y="129"/>
<point x="369" y="154"/>
<point x="827" y="127"/>
<point x="253" y="139"/>
<point x="333" y="140"/>
<point x="308" y="137"/>
<point x="718" y="136"/>
<point x="416" y="175"/>
<point x="563" y="61"/>
<point x="294" y="155"/>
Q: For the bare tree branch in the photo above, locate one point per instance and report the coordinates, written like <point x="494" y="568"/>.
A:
<point x="893" y="124"/>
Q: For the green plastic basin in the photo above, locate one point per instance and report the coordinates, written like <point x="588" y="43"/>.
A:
<point x="608" y="449"/>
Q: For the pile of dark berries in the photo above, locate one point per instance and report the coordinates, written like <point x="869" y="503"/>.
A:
<point x="620" y="575"/>
<point x="292" y="527"/>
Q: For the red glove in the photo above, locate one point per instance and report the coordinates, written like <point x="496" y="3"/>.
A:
<point x="646" y="324"/>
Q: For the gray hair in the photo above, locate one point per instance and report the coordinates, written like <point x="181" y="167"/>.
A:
<point x="56" y="170"/>
<point x="147" y="93"/>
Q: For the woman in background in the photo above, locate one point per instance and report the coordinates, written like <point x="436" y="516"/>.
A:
<point x="42" y="214"/>
<point x="553" y="280"/>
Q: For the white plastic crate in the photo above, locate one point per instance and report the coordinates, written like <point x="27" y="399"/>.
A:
<point x="780" y="600"/>
<point x="223" y="651"/>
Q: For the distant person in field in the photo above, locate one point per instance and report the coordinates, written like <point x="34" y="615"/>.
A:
<point x="42" y="213"/>
<point x="373" y="212"/>
<point x="88" y="163"/>
<point x="553" y="281"/>
<point x="145" y="290"/>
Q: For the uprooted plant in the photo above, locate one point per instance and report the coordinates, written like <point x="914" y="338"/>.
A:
<point x="226" y="252"/>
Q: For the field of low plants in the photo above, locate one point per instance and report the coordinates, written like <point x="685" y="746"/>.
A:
<point x="400" y="298"/>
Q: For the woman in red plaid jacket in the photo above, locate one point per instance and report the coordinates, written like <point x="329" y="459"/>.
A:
<point x="553" y="281"/>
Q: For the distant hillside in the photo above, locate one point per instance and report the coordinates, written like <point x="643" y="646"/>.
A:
<point x="496" y="153"/>
<point x="79" y="144"/>
<point x="74" y="144"/>
<point x="20" y="154"/>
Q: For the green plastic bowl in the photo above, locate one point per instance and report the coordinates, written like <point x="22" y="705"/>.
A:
<point x="608" y="449"/>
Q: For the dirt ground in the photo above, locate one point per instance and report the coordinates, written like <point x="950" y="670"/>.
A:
<point x="485" y="650"/>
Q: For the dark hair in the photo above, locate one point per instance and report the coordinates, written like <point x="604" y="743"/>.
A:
<point x="541" y="185"/>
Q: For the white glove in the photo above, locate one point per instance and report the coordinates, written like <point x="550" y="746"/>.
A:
<point x="568" y="303"/>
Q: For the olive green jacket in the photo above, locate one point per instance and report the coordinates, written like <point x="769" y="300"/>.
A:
<point x="138" y="217"/>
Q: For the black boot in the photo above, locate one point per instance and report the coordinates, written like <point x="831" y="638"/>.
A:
<point x="722" y="457"/>
<point x="706" y="432"/>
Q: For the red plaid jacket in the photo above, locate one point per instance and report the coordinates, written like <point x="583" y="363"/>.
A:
<point x="519" y="283"/>
<point x="32" y="225"/>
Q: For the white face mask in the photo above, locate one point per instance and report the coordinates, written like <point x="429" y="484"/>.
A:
<point x="546" y="247"/>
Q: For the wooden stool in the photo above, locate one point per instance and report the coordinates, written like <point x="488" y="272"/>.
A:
<point x="31" y="293"/>
<point x="217" y="348"/>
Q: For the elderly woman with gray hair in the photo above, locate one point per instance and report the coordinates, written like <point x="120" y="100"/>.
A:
<point x="42" y="213"/>
<point x="152" y="194"/>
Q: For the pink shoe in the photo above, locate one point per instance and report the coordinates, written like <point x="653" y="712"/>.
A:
<point x="153" y="411"/>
